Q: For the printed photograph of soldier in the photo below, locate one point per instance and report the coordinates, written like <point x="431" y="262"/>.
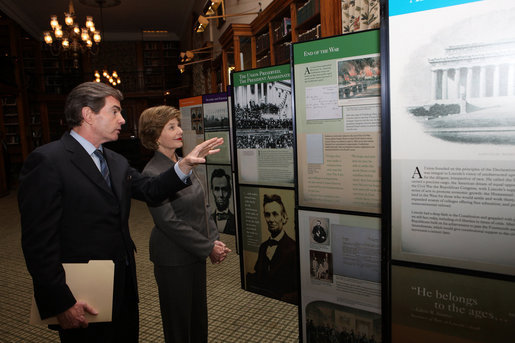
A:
<point x="319" y="231"/>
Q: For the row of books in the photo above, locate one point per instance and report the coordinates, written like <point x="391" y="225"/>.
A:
<point x="263" y="61"/>
<point x="262" y="42"/>
<point x="308" y="10"/>
<point x="281" y="29"/>
<point x="311" y="34"/>
<point x="12" y="139"/>
<point x="9" y="100"/>
<point x="282" y="52"/>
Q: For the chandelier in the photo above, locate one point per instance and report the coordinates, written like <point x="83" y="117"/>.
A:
<point x="113" y="78"/>
<point x="71" y="37"/>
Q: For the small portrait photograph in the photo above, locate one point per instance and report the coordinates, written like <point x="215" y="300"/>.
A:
<point x="220" y="199"/>
<point x="197" y="119"/>
<point x="319" y="230"/>
<point x="321" y="266"/>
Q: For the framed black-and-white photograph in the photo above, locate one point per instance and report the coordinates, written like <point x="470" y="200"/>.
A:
<point x="319" y="231"/>
<point x="269" y="248"/>
<point x="221" y="199"/>
<point x="216" y="112"/>
<point x="263" y="121"/>
<point x="263" y="116"/>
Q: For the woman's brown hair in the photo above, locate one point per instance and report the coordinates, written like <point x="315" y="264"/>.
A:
<point x="151" y="124"/>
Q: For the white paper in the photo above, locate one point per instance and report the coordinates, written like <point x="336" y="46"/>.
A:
<point x="322" y="103"/>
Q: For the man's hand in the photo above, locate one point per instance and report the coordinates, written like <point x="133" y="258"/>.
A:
<point x="74" y="317"/>
<point x="219" y="252"/>
<point x="198" y="154"/>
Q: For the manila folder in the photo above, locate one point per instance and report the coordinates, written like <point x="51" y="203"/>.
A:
<point x="90" y="282"/>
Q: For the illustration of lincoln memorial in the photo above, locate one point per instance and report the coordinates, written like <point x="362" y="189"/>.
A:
<point x="479" y="74"/>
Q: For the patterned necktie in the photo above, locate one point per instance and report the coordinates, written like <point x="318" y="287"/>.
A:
<point x="103" y="167"/>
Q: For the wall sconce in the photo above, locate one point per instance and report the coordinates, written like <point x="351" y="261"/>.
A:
<point x="203" y="20"/>
<point x="214" y="6"/>
<point x="188" y="55"/>
<point x="181" y="67"/>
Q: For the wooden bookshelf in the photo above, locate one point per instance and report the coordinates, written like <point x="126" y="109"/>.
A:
<point x="276" y="28"/>
<point x="160" y="64"/>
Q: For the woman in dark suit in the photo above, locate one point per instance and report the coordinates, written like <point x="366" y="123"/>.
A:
<point x="183" y="237"/>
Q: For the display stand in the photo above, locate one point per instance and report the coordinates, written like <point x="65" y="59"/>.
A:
<point x="205" y="117"/>
<point x="220" y="178"/>
<point x="337" y="116"/>
<point x="263" y="140"/>
<point x="449" y="166"/>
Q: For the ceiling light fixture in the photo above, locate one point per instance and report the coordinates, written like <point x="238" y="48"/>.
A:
<point x="71" y="37"/>
<point x="113" y="78"/>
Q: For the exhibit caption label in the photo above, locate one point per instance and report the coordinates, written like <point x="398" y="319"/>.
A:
<point x="271" y="74"/>
<point x="364" y="43"/>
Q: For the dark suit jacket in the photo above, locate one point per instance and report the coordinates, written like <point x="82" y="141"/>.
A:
<point x="319" y="234"/>
<point x="230" y="224"/>
<point x="69" y="214"/>
<point x="276" y="278"/>
<point x="181" y="240"/>
<point x="184" y="232"/>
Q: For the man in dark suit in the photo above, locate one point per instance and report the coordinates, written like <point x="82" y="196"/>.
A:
<point x="276" y="267"/>
<point x="221" y="189"/>
<point x="74" y="200"/>
<point x="319" y="234"/>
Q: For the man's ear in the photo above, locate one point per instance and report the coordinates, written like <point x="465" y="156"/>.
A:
<point x="87" y="114"/>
